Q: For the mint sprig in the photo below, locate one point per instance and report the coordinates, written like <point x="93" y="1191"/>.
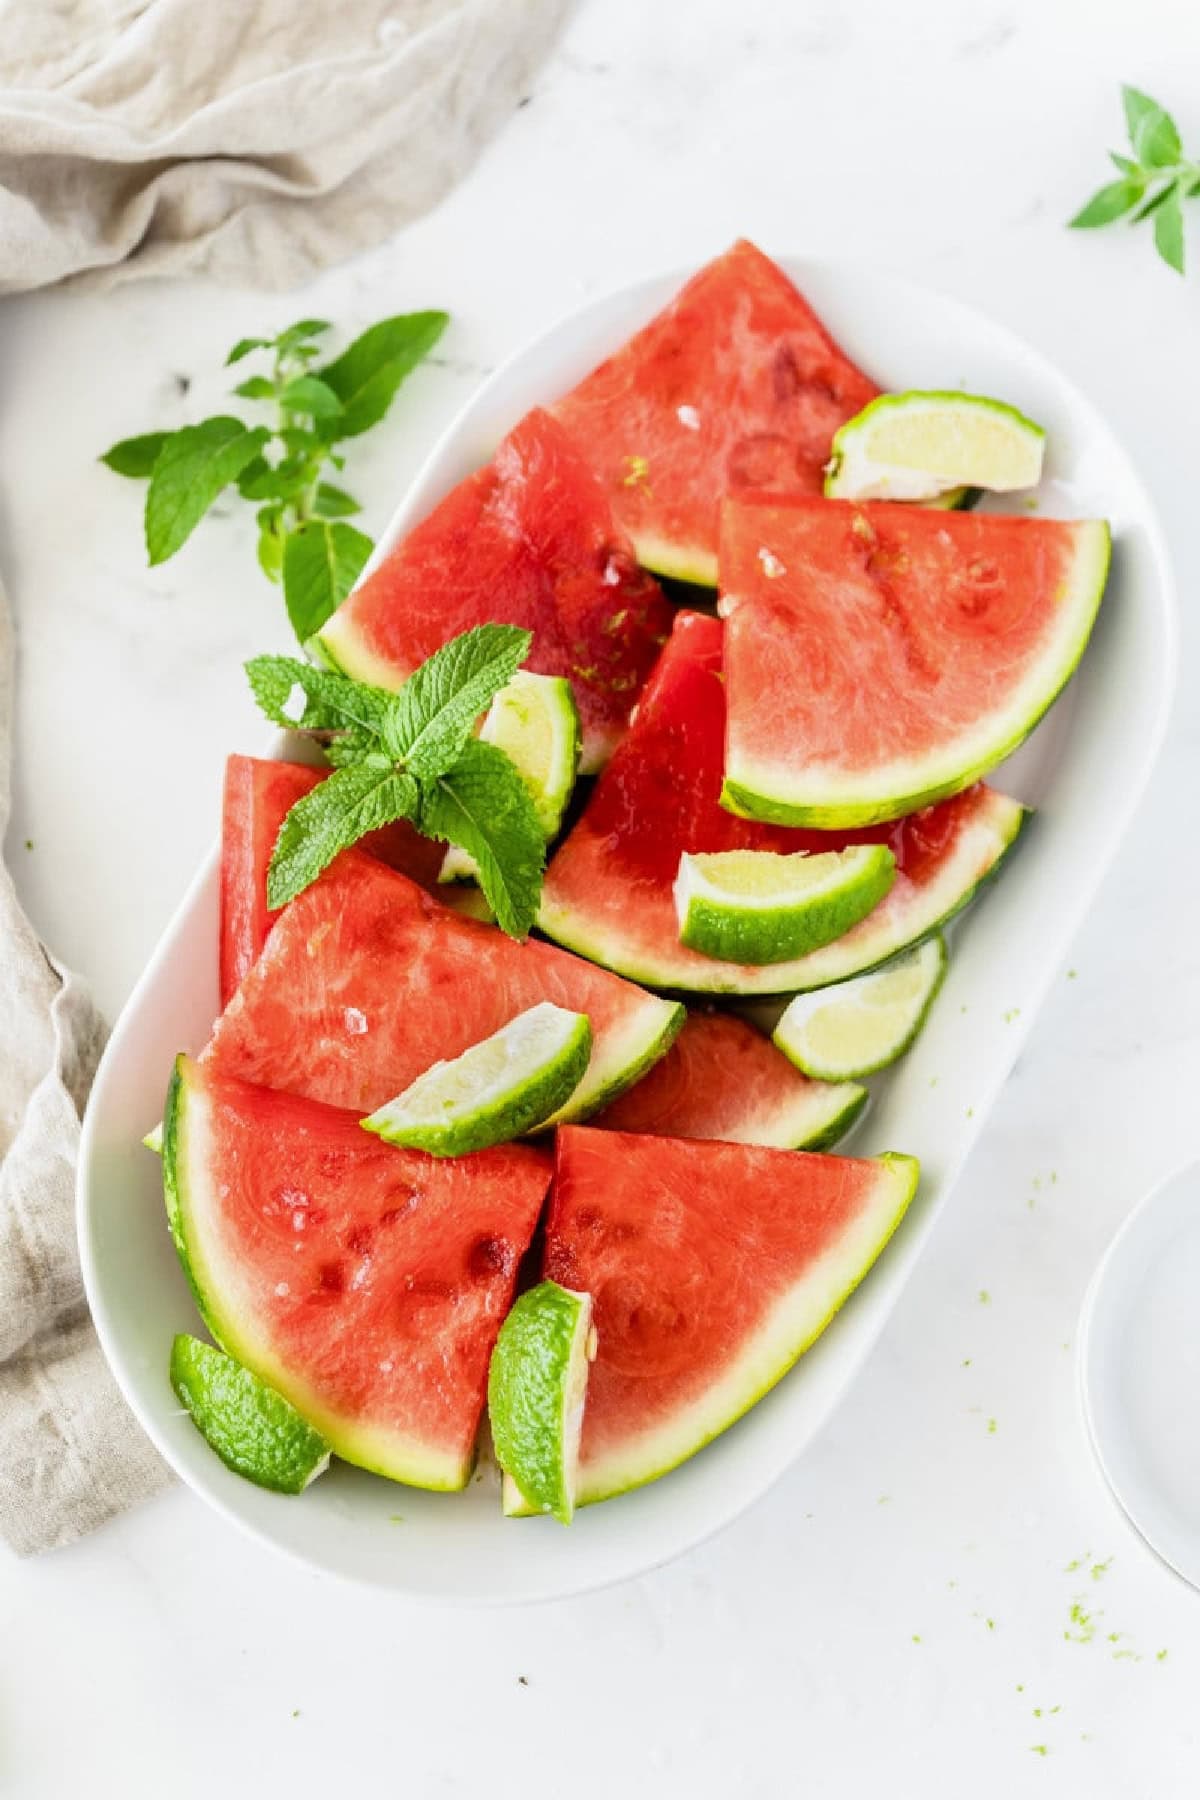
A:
<point x="1154" y="182"/>
<point x="281" y="467"/>
<point x="409" y="755"/>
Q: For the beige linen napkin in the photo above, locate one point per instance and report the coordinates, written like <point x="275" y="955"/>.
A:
<point x="257" y="140"/>
<point x="70" y="1453"/>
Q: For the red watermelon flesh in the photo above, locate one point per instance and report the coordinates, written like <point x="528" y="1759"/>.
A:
<point x="735" y="387"/>
<point x="608" y="890"/>
<point x="711" y="1267"/>
<point x="723" y="1079"/>
<point x="879" y="656"/>
<point x="366" y="980"/>
<point x="259" y="793"/>
<point x="364" y="1282"/>
<point x="529" y="540"/>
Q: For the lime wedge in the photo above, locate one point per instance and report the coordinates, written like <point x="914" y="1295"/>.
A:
<point x="754" y="906"/>
<point x="254" y="1430"/>
<point x="497" y="1090"/>
<point x="843" y="1033"/>
<point x="534" y="720"/>
<point x="918" y="446"/>
<point x="537" y="1384"/>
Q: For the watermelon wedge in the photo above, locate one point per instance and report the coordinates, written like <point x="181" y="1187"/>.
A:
<point x="879" y="657"/>
<point x="712" y="1268"/>
<point x="529" y="540"/>
<point x="365" y="1283"/>
<point x="723" y="1079"/>
<point x="259" y="793"/>
<point x="736" y="387"/>
<point x="608" y="890"/>
<point x="366" y="980"/>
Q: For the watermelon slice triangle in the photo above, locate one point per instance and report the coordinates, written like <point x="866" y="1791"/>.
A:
<point x="366" y="980"/>
<point x="723" y="1079"/>
<point x="529" y="540"/>
<point x="365" y="1283"/>
<point x="259" y="793"/>
<point x="736" y="387"/>
<point x="711" y="1267"/>
<point x="879" y="656"/>
<point x="608" y="890"/>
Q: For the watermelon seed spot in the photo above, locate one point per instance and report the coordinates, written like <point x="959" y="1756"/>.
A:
<point x="688" y="417"/>
<point x="281" y="1289"/>
<point x="771" y="565"/>
<point x="356" y="1022"/>
<point x="489" y="1256"/>
<point x="386" y="1366"/>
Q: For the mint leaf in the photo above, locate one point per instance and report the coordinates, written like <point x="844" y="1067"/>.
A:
<point x="190" y="470"/>
<point x="1152" y="130"/>
<point x="329" y="703"/>
<point x="1168" y="231"/>
<point x="1123" y="163"/>
<point x="331" y="817"/>
<point x="321" y="562"/>
<point x="483" y="806"/>
<point x="309" y="395"/>
<point x="1110" y="203"/>
<point x="1153" y="203"/>
<point x="136" y="456"/>
<point x="430" y="719"/>
<point x="255" y="387"/>
<point x="244" y="346"/>
<point x="270" y="552"/>
<point x="300" y="333"/>
<point x="366" y="376"/>
<point x="331" y="502"/>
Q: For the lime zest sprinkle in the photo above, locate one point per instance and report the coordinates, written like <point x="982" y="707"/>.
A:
<point x="991" y="1425"/>
<point x="637" y="471"/>
<point x="1039" y="1749"/>
<point x="985" y="1299"/>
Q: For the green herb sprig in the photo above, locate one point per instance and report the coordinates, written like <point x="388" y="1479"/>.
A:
<point x="1154" y="182"/>
<point x="409" y="755"/>
<point x="281" y="468"/>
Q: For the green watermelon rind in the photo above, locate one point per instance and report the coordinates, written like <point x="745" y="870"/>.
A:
<point x="677" y="562"/>
<point x="855" y="954"/>
<point x="851" y="1100"/>
<point x="611" y="1074"/>
<point x="872" y="797"/>
<point x="386" y="1454"/>
<point x="794" y="1324"/>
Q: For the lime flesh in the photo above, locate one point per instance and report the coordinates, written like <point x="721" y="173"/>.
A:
<point x="923" y="445"/>
<point x="537" y="1384"/>
<point x="755" y="906"/>
<point x="499" y="1089"/>
<point x="845" y="1032"/>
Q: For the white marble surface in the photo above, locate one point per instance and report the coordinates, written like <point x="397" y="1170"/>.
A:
<point x="893" y="1614"/>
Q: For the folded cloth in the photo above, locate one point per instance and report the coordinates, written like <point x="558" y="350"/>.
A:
<point x="71" y="1454"/>
<point x="255" y="141"/>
